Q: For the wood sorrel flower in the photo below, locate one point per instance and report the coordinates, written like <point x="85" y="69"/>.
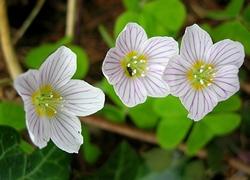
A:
<point x="204" y="73"/>
<point x="52" y="101"/>
<point x="136" y="64"/>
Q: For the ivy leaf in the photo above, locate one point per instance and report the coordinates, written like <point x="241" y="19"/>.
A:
<point x="231" y="11"/>
<point x="12" y="114"/>
<point x="143" y="116"/>
<point x="123" y="164"/>
<point x="48" y="163"/>
<point x="171" y="131"/>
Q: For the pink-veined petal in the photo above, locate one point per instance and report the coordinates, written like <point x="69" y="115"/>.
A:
<point x="131" y="91"/>
<point x="81" y="99"/>
<point x="38" y="127"/>
<point x="27" y="83"/>
<point x="199" y="103"/>
<point x="227" y="52"/>
<point x="195" y="44"/>
<point x="66" y="132"/>
<point x="226" y="82"/>
<point x="58" y="68"/>
<point x="111" y="66"/>
<point x="153" y="82"/>
<point x="131" y="38"/>
<point x="175" y="76"/>
<point x="159" y="50"/>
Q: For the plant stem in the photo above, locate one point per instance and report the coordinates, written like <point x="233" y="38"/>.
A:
<point x="8" y="51"/>
<point x="70" y="19"/>
<point x="28" y="21"/>
<point x="105" y="36"/>
<point x="150" y="137"/>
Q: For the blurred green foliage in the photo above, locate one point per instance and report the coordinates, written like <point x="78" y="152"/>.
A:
<point x="38" y="55"/>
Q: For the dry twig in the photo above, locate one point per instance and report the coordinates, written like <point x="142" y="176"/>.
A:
<point x="28" y="21"/>
<point x="150" y="137"/>
<point x="8" y="51"/>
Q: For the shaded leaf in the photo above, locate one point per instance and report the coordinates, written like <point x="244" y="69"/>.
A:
<point x="12" y="114"/>
<point x="113" y="113"/>
<point x="123" y="164"/>
<point x="14" y="164"/>
<point x="231" y="11"/>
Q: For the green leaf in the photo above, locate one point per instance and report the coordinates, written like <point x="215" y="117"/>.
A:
<point x="91" y="152"/>
<point x="48" y="163"/>
<point x="158" y="159"/>
<point x="82" y="62"/>
<point x="231" y="104"/>
<point x="223" y="123"/>
<point x="246" y="14"/>
<point x="106" y="37"/>
<point x="233" y="30"/>
<point x="143" y="116"/>
<point x="169" y="106"/>
<point x="109" y="90"/>
<point x="36" y="56"/>
<point x="26" y="147"/>
<point x="123" y="19"/>
<point x="175" y="10"/>
<point x="12" y="114"/>
<point x="231" y="11"/>
<point x="113" y="113"/>
<point x="194" y="170"/>
<point x="171" y="131"/>
<point x="199" y="137"/>
<point x="132" y="5"/>
<point x="123" y="164"/>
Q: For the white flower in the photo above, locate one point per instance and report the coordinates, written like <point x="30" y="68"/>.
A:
<point x="136" y="64"/>
<point x="204" y="73"/>
<point x="52" y="101"/>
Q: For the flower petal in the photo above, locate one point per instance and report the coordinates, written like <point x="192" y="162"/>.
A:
<point x="160" y="49"/>
<point x="226" y="82"/>
<point x="131" y="91"/>
<point x="227" y="52"/>
<point x="81" y="99"/>
<point x="195" y="44"/>
<point x="153" y="82"/>
<point x="66" y="132"/>
<point x="111" y="66"/>
<point x="199" y="103"/>
<point x="38" y="127"/>
<point x="131" y="38"/>
<point x="27" y="83"/>
<point x="175" y="76"/>
<point x="58" y="68"/>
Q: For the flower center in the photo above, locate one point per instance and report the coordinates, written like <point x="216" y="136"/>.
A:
<point x="201" y="75"/>
<point x="46" y="101"/>
<point x="134" y="64"/>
